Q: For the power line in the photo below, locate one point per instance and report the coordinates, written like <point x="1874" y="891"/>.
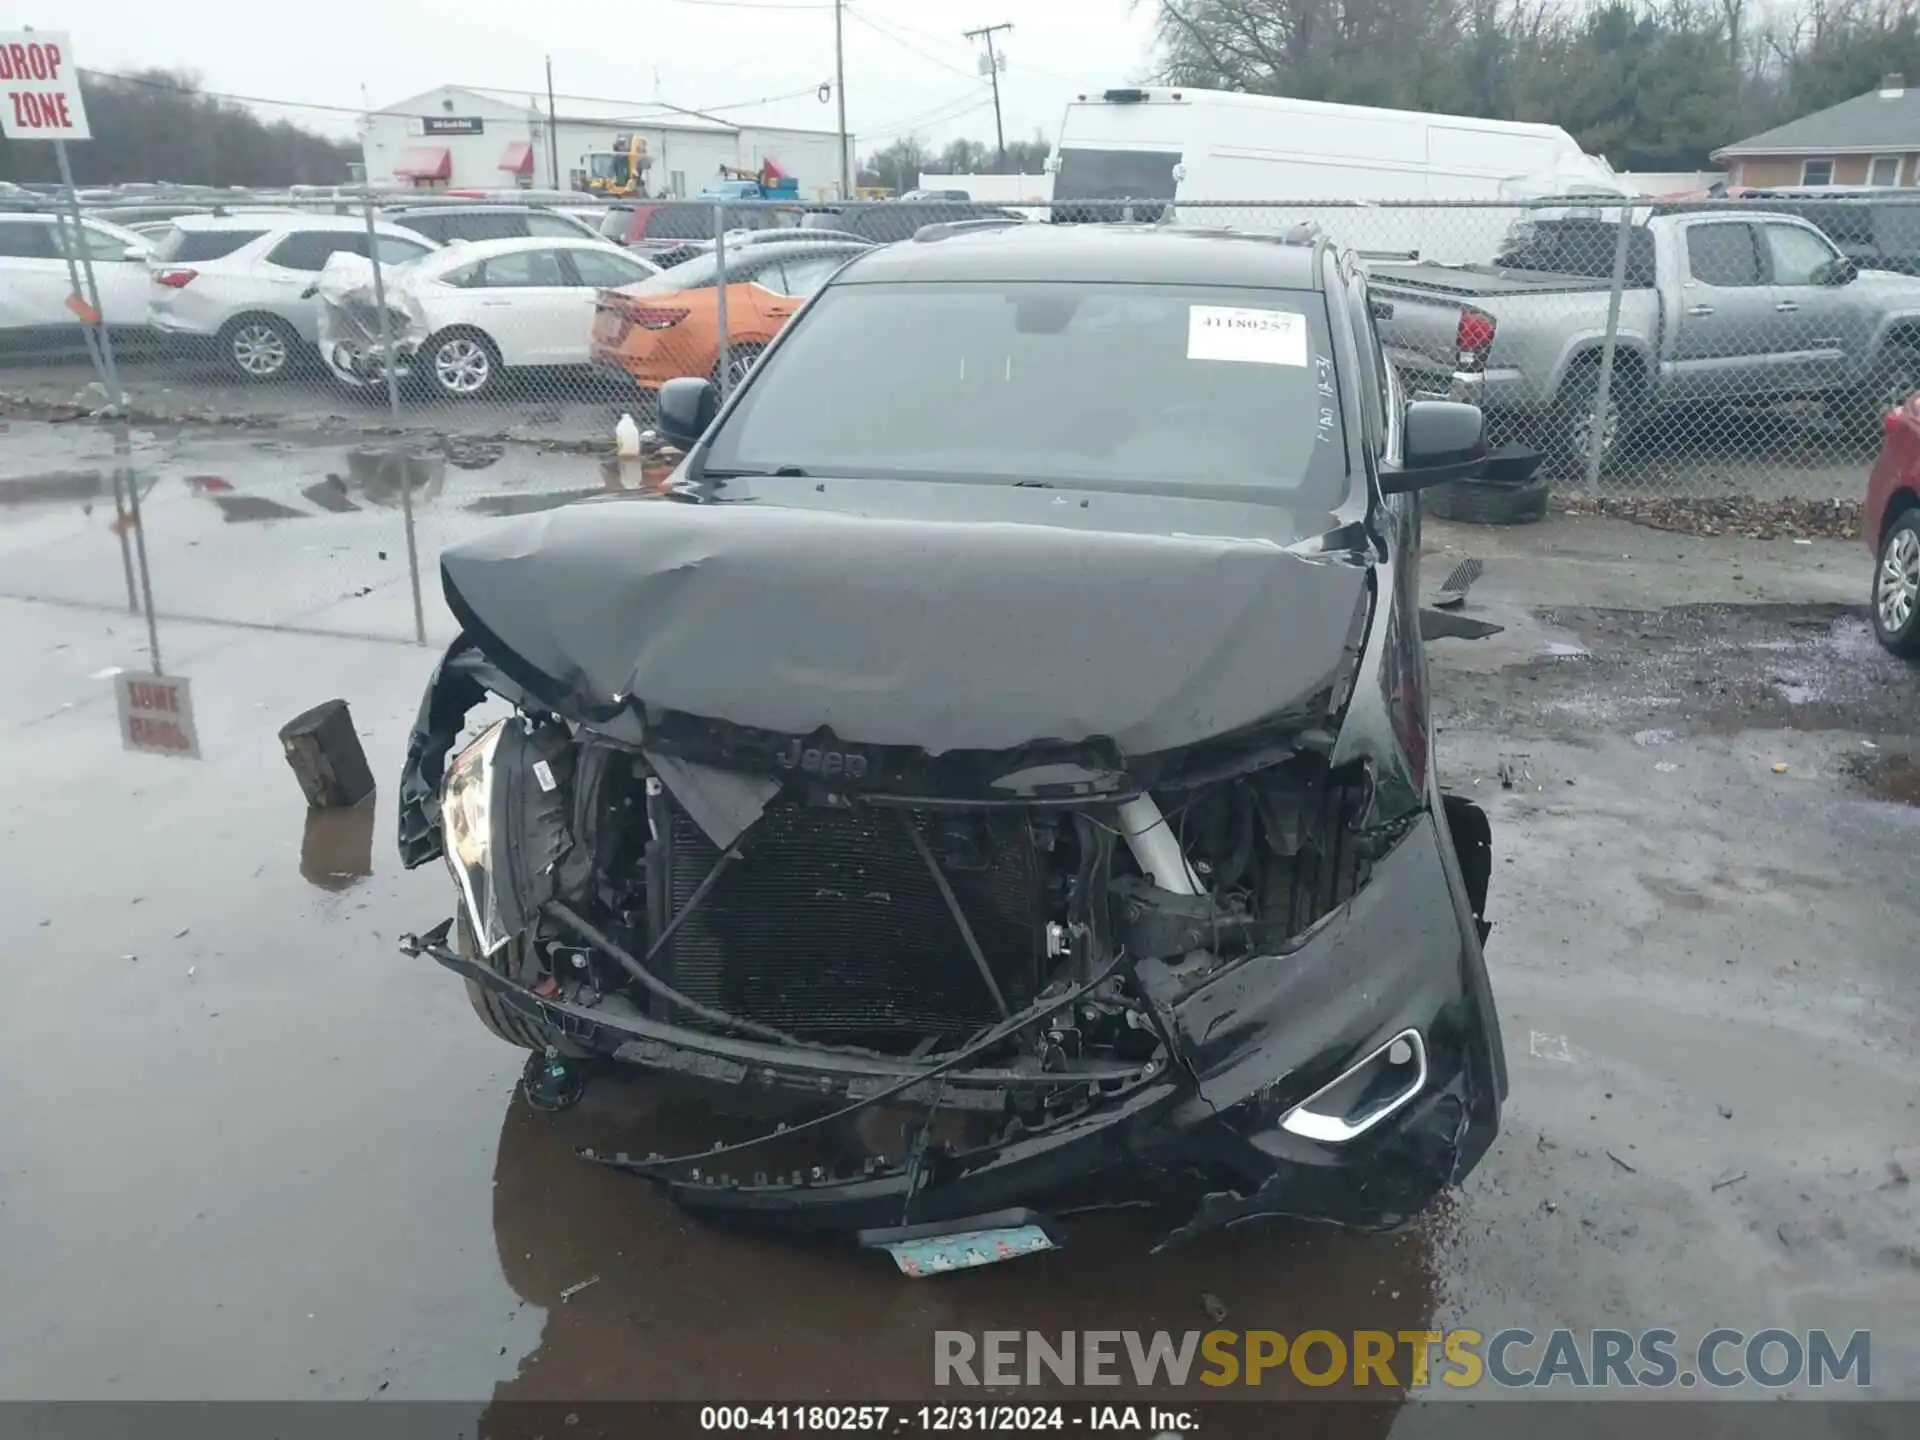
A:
<point x="904" y="44"/>
<point x="1026" y="65"/>
<point x="195" y="90"/>
<point x="645" y="109"/>
<point x="970" y="106"/>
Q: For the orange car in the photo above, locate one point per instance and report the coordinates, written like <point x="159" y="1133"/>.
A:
<point x="669" y="324"/>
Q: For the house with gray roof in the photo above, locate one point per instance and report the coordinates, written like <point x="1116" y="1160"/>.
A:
<point x="1872" y="139"/>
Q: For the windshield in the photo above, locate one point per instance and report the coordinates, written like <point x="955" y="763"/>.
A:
<point x="607" y="167"/>
<point x="1148" y="387"/>
<point x="1115" y="175"/>
<point x="693" y="274"/>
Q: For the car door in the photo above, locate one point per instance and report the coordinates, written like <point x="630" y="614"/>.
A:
<point x="595" y="269"/>
<point x="532" y="310"/>
<point x="288" y="270"/>
<point x="33" y="278"/>
<point x="123" y="283"/>
<point x="1724" y="334"/>
<point x="1819" y="322"/>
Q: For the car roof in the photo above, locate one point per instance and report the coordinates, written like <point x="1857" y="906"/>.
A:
<point x="461" y="251"/>
<point x="1136" y="253"/>
<point x="782" y="246"/>
<point x="467" y="207"/>
<point x="264" y="220"/>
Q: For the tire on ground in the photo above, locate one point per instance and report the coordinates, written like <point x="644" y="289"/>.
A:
<point x="1570" y="418"/>
<point x="740" y="360"/>
<point x="499" y="1017"/>
<point x="262" y="331"/>
<point x="1896" y="576"/>
<point x="1478" y="503"/>
<point x="488" y="378"/>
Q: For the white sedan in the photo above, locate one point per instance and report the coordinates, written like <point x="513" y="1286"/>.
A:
<point x="475" y="310"/>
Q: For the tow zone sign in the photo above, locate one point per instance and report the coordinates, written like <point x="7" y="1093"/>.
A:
<point x="40" y="87"/>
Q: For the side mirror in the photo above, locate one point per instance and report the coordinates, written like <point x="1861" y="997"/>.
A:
<point x="1440" y="440"/>
<point x="687" y="407"/>
<point x="1840" y="271"/>
<point x="138" y="254"/>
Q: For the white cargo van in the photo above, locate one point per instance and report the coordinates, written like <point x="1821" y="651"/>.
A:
<point x="1165" y="143"/>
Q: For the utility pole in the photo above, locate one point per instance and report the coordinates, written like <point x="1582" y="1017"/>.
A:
<point x="985" y="33"/>
<point x="840" y="95"/>
<point x="553" y="131"/>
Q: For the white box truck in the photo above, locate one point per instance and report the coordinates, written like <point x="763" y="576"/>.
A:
<point x="1158" y="144"/>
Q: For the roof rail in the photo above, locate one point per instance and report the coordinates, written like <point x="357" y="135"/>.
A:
<point x="943" y="229"/>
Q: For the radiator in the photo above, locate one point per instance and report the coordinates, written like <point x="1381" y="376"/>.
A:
<point x="831" y="927"/>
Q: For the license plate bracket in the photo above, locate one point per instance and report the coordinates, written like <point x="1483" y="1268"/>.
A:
<point x="966" y="1243"/>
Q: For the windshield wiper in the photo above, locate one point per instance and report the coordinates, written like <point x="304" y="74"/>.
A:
<point x="794" y="472"/>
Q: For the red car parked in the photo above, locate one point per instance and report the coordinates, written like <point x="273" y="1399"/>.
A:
<point x="1891" y="528"/>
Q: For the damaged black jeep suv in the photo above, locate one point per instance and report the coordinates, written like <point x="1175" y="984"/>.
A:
<point x="1012" y="714"/>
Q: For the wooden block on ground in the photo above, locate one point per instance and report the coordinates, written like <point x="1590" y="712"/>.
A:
<point x="326" y="756"/>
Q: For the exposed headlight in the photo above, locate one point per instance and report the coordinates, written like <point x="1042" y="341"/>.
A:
<point x="466" y="826"/>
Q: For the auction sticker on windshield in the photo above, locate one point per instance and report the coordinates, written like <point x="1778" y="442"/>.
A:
<point x="1258" y="337"/>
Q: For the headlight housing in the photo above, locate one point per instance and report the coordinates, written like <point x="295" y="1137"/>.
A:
<point x="466" y="826"/>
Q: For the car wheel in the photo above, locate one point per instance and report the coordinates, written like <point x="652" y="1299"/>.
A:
<point x="1894" y="376"/>
<point x="259" y="348"/>
<point x="1480" y="503"/>
<point x="740" y="362"/>
<point x="499" y="1017"/>
<point x="1571" y="421"/>
<point x="462" y="364"/>
<point x="1896" y="587"/>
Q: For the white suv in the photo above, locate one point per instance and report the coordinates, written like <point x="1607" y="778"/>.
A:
<point x="241" y="284"/>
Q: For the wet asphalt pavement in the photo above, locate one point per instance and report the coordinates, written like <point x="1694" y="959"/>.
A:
<point x="251" y="1151"/>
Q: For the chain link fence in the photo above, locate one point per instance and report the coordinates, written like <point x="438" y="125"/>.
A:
<point x="1697" y="347"/>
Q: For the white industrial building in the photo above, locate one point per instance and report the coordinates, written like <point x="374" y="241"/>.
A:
<point x="465" y="137"/>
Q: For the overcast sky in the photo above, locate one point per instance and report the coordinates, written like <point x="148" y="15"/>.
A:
<point x="908" y="67"/>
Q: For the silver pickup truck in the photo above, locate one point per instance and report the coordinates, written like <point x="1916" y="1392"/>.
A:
<point x="1720" y="309"/>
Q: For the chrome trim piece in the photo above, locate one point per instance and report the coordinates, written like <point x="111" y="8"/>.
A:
<point x="1305" y="1121"/>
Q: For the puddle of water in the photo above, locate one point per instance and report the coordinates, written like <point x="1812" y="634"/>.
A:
<point x="336" y="847"/>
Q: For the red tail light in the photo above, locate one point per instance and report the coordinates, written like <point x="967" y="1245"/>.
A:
<point x="649" y="317"/>
<point x="1474" y="337"/>
<point x="175" y="279"/>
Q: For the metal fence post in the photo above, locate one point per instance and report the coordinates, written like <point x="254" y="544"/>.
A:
<point x="392" y="367"/>
<point x="100" y="348"/>
<point x="1597" y="431"/>
<point x="720" y="291"/>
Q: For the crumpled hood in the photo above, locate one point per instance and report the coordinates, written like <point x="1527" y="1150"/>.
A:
<point x="349" y="314"/>
<point x="998" y="618"/>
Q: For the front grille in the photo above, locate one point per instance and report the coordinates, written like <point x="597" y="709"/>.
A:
<point x="831" y="927"/>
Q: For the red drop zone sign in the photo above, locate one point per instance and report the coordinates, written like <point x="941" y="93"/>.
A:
<point x="156" y="714"/>
<point x="40" y="87"/>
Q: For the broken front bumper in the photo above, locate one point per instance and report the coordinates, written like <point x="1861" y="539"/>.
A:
<point x="1272" y="1091"/>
